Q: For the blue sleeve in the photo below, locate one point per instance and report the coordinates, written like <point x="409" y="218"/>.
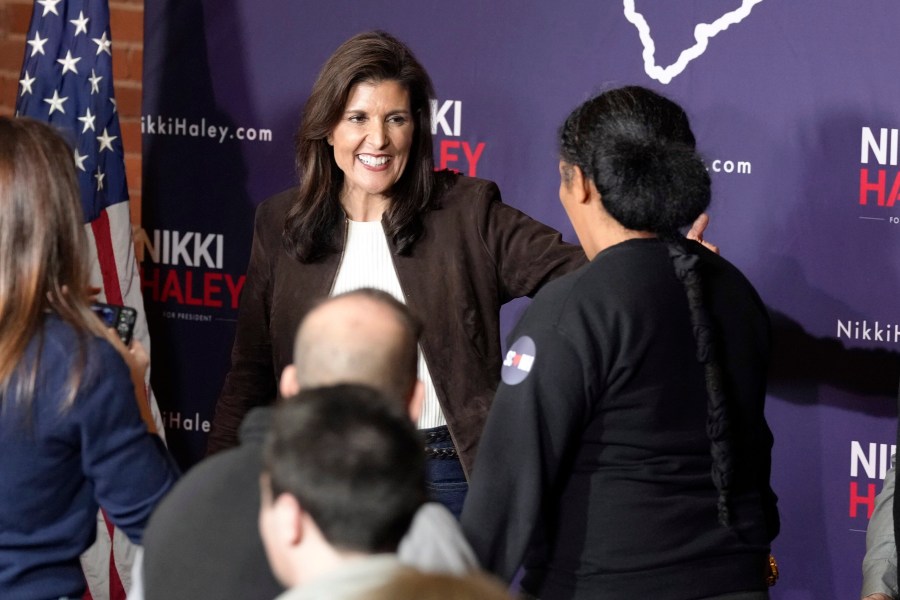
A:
<point x="533" y="428"/>
<point x="129" y="467"/>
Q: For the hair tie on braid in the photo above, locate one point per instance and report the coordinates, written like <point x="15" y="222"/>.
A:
<point x="717" y="428"/>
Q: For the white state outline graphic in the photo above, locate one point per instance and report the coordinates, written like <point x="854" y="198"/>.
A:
<point x="703" y="32"/>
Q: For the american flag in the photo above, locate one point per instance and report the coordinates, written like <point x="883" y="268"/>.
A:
<point x="67" y="80"/>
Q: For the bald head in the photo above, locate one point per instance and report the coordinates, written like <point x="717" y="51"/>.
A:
<point x="365" y="337"/>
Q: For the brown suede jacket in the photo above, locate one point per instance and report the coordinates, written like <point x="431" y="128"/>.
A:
<point x="475" y="255"/>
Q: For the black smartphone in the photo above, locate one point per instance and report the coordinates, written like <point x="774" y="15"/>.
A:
<point x="120" y="318"/>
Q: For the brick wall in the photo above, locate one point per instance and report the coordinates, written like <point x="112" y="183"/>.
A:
<point x="127" y="24"/>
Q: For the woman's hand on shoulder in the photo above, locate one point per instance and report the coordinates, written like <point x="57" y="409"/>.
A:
<point x="697" y="229"/>
<point x="877" y="596"/>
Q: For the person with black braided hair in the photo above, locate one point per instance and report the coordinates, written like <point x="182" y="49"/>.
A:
<point x="627" y="452"/>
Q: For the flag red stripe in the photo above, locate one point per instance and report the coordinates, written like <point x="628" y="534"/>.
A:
<point x="107" y="258"/>
<point x="113" y="291"/>
<point x="116" y="589"/>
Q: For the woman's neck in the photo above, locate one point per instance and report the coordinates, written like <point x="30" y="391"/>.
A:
<point x="365" y="208"/>
<point x="608" y="232"/>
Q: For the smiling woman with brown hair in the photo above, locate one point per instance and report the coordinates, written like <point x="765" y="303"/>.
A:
<point x="370" y="211"/>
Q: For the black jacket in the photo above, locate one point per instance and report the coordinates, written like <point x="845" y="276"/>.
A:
<point x="595" y="463"/>
<point x="190" y="549"/>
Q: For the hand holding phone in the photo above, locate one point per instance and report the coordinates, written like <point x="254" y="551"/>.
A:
<point x="120" y="318"/>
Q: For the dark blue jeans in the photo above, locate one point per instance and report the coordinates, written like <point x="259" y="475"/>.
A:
<point x="445" y="479"/>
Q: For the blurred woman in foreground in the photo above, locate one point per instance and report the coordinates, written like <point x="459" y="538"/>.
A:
<point x="72" y="436"/>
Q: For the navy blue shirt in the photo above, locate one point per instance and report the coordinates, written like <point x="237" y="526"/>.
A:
<point x="58" y="464"/>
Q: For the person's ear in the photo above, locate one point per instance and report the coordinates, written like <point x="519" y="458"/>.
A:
<point x="416" y="401"/>
<point x="582" y="187"/>
<point x="289" y="519"/>
<point x="288" y="385"/>
<point x="280" y="518"/>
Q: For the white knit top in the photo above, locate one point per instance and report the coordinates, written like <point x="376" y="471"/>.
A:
<point x="367" y="263"/>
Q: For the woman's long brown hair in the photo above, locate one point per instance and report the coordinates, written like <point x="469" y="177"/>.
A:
<point x="43" y="253"/>
<point x="313" y="225"/>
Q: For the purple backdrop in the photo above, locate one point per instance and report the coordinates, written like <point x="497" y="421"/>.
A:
<point x="795" y="109"/>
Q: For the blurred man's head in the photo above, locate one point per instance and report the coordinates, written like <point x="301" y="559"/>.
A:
<point x="366" y="337"/>
<point x="343" y="476"/>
